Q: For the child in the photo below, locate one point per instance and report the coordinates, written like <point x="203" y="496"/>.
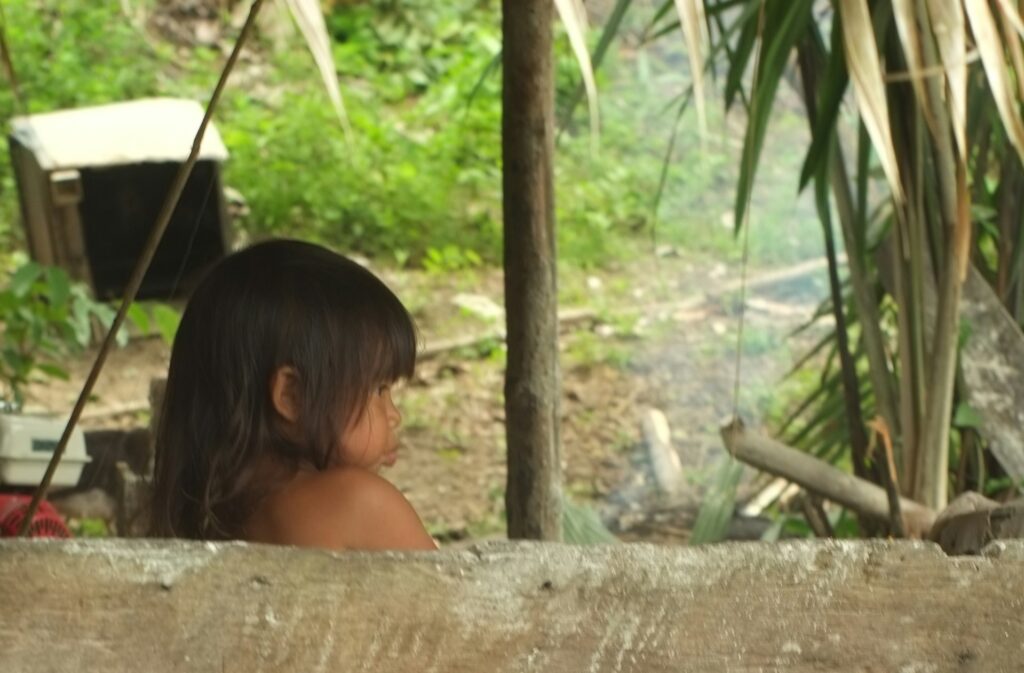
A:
<point x="278" y="414"/>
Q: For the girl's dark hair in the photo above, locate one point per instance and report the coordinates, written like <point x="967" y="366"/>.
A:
<point x="274" y="304"/>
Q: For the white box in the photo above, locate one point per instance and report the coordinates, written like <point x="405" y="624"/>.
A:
<point x="26" y="446"/>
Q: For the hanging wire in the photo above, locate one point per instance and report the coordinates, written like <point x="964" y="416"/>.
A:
<point x="163" y="219"/>
<point x="745" y="225"/>
<point x="192" y="235"/>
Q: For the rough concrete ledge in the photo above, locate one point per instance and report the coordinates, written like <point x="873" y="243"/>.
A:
<point x="157" y="606"/>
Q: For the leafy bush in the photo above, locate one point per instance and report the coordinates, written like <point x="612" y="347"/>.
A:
<point x="420" y="180"/>
<point x="69" y="53"/>
<point x="422" y="170"/>
<point x="44" y="318"/>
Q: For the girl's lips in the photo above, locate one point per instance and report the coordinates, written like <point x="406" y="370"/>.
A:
<point x="390" y="458"/>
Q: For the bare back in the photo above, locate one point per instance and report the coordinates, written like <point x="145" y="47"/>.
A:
<point x="338" y="508"/>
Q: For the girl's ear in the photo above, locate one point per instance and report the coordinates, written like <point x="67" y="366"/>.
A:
<point x="284" y="393"/>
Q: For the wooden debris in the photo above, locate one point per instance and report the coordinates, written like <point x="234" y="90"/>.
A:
<point x="821" y="478"/>
<point x="668" y="470"/>
<point x="133" y="496"/>
<point x="814" y="512"/>
<point x="778" y="490"/>
<point x="972" y="521"/>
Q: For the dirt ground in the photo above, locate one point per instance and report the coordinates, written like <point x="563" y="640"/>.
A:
<point x="658" y="332"/>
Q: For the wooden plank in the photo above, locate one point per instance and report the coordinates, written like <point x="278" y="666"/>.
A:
<point x="34" y="200"/>
<point x="160" y="606"/>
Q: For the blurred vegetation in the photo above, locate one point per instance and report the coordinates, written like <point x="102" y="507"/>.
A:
<point x="419" y="181"/>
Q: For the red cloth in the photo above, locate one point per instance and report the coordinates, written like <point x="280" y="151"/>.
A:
<point x="47" y="521"/>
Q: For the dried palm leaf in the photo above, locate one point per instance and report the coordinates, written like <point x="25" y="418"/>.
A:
<point x="1014" y="47"/>
<point x="909" y="32"/>
<point x="990" y="46"/>
<point x="947" y="17"/>
<point x="574" y="19"/>
<point x="1011" y="14"/>
<point x="310" y="19"/>
<point x="869" y="86"/>
<point x="691" y="18"/>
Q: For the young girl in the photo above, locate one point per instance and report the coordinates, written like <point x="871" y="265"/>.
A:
<point x="278" y="414"/>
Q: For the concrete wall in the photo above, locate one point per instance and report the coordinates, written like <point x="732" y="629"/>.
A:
<point x="117" y="606"/>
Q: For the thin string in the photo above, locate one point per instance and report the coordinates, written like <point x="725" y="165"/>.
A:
<point x="163" y="219"/>
<point x="193" y="234"/>
<point x="745" y="224"/>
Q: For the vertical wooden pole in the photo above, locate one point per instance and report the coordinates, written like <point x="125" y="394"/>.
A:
<point x="533" y="491"/>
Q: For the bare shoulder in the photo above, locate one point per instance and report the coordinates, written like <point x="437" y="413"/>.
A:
<point x="351" y="508"/>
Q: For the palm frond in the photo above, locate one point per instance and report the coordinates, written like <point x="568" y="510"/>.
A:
<point x="309" y="18"/>
<point x="574" y="18"/>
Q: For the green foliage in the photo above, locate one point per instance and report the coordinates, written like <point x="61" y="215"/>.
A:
<point x="69" y="53"/>
<point x="719" y="504"/>
<point x="588" y="348"/>
<point x="159" y="319"/>
<point x="787" y="525"/>
<point x="1001" y="485"/>
<point x="89" y="528"/>
<point x="420" y="180"/>
<point x="785" y="23"/>
<point x="166" y="320"/>
<point x="582" y="525"/>
<point x="450" y="258"/>
<point x="44" y="318"/>
<point x="966" y="416"/>
<point x="421" y="170"/>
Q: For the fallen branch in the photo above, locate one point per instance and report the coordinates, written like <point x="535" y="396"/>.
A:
<point x="777" y="490"/>
<point x="823" y="479"/>
<point x="814" y="512"/>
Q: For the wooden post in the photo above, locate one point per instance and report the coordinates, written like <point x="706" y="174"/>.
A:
<point x="533" y="491"/>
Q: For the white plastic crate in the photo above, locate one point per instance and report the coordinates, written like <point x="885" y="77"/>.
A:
<point x="26" y="446"/>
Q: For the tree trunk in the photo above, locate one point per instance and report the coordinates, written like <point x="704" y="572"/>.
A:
<point x="533" y="491"/>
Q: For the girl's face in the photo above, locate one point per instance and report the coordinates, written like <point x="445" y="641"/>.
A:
<point x="371" y="441"/>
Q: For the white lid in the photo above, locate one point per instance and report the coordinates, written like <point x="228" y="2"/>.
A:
<point x="146" y="130"/>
